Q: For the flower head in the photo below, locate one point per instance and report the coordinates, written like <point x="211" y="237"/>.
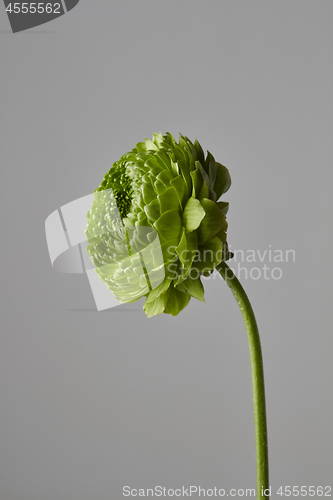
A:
<point x="156" y="224"/>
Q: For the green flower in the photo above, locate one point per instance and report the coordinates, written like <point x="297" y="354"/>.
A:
<point x="156" y="224"/>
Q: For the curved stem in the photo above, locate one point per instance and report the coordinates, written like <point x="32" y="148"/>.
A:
<point x="258" y="386"/>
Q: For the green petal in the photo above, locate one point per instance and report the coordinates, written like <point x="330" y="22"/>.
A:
<point x="212" y="222"/>
<point x="223" y="180"/>
<point x="168" y="200"/>
<point x="159" y="187"/>
<point x="191" y="149"/>
<point x="182" y="248"/>
<point x="182" y="141"/>
<point x="190" y="158"/>
<point x="192" y="215"/>
<point x="142" y="221"/>
<point x="175" y="167"/>
<point x="179" y="184"/>
<point x="158" y="139"/>
<point x="153" y="165"/>
<point x="179" y="153"/>
<point x="177" y="301"/>
<point x="141" y="147"/>
<point x="185" y="172"/>
<point x="165" y="176"/>
<point x="169" y="225"/>
<point x="153" y="210"/>
<point x="148" y="193"/>
<point x="164" y="160"/>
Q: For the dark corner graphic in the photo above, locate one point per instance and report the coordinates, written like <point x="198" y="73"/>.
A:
<point x="23" y="15"/>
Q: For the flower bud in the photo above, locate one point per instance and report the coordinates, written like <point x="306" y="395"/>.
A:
<point x="156" y="224"/>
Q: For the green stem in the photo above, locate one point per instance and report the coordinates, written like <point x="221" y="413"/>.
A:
<point x="258" y="385"/>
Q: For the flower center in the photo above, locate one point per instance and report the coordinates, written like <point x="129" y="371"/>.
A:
<point x="123" y="192"/>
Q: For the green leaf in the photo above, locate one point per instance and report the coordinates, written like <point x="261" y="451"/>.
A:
<point x="223" y="206"/>
<point x="169" y="250"/>
<point x="212" y="222"/>
<point x="203" y="172"/>
<point x="169" y="225"/>
<point x="192" y="244"/>
<point x="150" y="145"/>
<point x="156" y="306"/>
<point x="177" y="301"/>
<point x="212" y="195"/>
<point x="222" y="235"/>
<point x="192" y="215"/>
<point x="223" y="180"/>
<point x="196" y="182"/>
<point x="179" y="285"/>
<point x="209" y="255"/>
<point x="159" y="290"/>
<point x="184" y="268"/>
<point x="195" y="288"/>
<point x="212" y="170"/>
<point x="204" y="191"/>
<point x="185" y="172"/>
<point x="200" y="153"/>
<point x="182" y="248"/>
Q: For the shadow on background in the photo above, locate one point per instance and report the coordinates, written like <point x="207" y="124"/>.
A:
<point x="8" y="32"/>
<point x="118" y="309"/>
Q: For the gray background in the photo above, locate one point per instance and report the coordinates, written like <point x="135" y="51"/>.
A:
<point x="90" y="401"/>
